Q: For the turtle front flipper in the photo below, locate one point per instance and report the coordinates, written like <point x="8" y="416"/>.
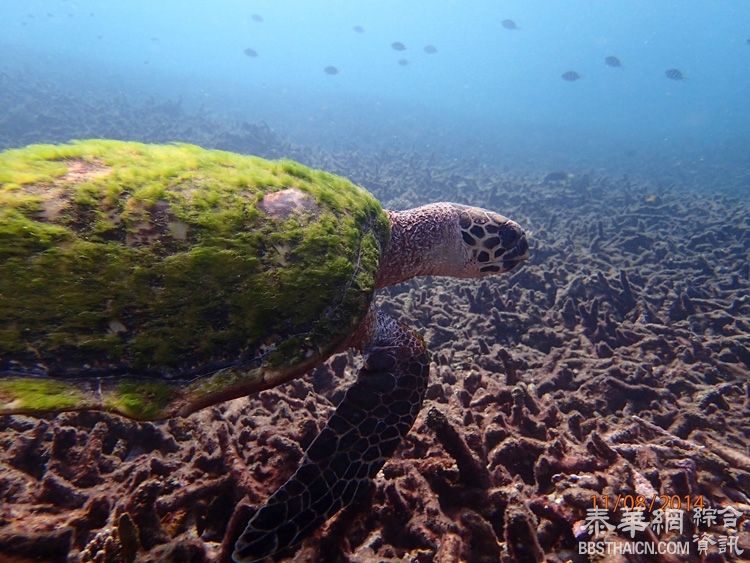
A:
<point x="365" y="429"/>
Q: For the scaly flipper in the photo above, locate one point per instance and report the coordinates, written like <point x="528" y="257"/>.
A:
<point x="375" y="414"/>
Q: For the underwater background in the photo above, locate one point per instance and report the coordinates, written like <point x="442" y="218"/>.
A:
<point x="616" y="362"/>
<point x="483" y="89"/>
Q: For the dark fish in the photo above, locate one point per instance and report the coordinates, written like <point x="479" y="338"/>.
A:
<point x="570" y="76"/>
<point x="398" y="46"/>
<point x="250" y="52"/>
<point x="331" y="70"/>
<point x="403" y="62"/>
<point x="257" y="18"/>
<point x="674" y="74"/>
<point x="509" y="24"/>
<point x="430" y="49"/>
<point x="612" y="61"/>
<point x="358" y="29"/>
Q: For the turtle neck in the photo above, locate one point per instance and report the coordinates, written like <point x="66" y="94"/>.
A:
<point x="424" y="241"/>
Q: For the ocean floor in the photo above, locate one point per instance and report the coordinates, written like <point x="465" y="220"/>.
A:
<point x="615" y="363"/>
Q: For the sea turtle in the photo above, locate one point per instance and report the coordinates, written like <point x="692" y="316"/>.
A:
<point x="154" y="280"/>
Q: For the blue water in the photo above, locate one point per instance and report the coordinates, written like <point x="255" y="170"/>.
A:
<point x="486" y="85"/>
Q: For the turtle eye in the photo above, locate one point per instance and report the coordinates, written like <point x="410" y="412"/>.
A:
<point x="509" y="236"/>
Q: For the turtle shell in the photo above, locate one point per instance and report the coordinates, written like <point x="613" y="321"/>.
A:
<point x="154" y="280"/>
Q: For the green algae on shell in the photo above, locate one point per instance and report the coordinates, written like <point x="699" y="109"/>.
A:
<point x="152" y="280"/>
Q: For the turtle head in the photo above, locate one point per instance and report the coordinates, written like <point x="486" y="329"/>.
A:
<point x="448" y="239"/>
<point x="489" y="242"/>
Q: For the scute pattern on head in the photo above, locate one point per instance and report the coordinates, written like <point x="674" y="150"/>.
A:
<point x="489" y="237"/>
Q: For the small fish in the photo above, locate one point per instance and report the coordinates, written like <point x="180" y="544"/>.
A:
<point x="674" y="74"/>
<point x="358" y="29"/>
<point x="509" y="24"/>
<point x="257" y="18"/>
<point x="570" y="76"/>
<point x="331" y="70"/>
<point x="403" y="62"/>
<point x="250" y="52"/>
<point x="748" y="41"/>
<point x="430" y="49"/>
<point x="398" y="46"/>
<point x="612" y="61"/>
